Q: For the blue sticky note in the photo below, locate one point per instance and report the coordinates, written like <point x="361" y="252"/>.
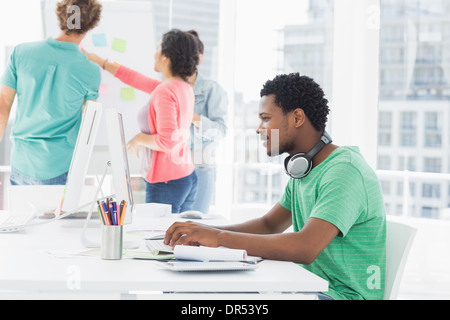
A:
<point x="99" y="40"/>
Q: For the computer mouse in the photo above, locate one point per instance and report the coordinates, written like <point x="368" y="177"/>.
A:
<point x="192" y="214"/>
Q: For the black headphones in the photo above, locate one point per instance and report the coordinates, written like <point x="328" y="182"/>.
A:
<point x="300" y="165"/>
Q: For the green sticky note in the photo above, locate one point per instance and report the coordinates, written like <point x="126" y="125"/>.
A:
<point x="128" y="94"/>
<point x="119" y="45"/>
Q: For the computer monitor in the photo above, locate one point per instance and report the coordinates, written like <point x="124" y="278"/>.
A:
<point x="82" y="153"/>
<point x="112" y="125"/>
<point x="119" y="160"/>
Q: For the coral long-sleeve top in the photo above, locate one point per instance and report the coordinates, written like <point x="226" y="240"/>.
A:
<point x="170" y="116"/>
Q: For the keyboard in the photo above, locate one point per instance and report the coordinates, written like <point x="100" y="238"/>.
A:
<point x="15" y="222"/>
<point x="158" y="246"/>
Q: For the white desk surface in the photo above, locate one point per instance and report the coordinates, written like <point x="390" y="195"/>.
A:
<point x="27" y="266"/>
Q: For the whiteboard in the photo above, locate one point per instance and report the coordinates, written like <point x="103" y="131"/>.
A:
<point x="125" y="34"/>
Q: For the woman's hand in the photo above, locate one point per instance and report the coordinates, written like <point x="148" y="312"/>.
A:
<point x="135" y="145"/>
<point x="93" y="57"/>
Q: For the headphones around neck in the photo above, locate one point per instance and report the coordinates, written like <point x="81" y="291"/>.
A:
<point x="300" y="165"/>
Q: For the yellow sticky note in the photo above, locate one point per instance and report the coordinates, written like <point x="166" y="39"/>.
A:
<point x="128" y="94"/>
<point x="119" y="45"/>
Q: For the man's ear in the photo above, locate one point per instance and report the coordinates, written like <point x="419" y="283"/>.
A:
<point x="299" y="117"/>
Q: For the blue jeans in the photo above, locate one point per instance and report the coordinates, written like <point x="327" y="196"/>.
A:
<point x="178" y="193"/>
<point x="205" y="188"/>
<point x="18" y="179"/>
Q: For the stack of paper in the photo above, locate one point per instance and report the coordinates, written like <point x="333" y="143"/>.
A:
<point x="209" y="254"/>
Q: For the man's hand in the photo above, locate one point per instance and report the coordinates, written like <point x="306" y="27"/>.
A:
<point x="192" y="234"/>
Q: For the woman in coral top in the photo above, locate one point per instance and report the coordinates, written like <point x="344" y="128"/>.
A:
<point x="171" y="178"/>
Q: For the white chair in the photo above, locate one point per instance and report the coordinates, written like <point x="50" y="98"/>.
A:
<point x="399" y="239"/>
<point x="37" y="198"/>
<point x="42" y="198"/>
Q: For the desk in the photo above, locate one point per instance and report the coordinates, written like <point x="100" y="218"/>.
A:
<point x="27" y="267"/>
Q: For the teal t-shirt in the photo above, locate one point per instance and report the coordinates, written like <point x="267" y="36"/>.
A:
<point x="52" y="80"/>
<point x="346" y="192"/>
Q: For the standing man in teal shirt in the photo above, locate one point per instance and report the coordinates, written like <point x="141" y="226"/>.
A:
<point x="52" y="80"/>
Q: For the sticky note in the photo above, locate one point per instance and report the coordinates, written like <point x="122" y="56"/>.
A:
<point x="128" y="94"/>
<point x="103" y="90"/>
<point x="99" y="40"/>
<point x="119" y="45"/>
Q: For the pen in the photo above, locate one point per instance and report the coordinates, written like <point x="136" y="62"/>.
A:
<point x="120" y="210"/>
<point x="114" y="213"/>
<point x="123" y="212"/>
<point x="111" y="212"/>
<point x="106" y="210"/>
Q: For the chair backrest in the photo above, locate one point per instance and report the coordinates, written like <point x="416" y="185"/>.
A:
<point x="399" y="239"/>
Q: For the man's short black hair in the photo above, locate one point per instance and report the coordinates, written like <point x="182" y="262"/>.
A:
<point x="293" y="91"/>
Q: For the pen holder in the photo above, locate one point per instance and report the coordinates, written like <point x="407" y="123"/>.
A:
<point x="112" y="242"/>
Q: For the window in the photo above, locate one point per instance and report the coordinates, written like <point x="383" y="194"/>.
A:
<point x="432" y="165"/>
<point x="385" y="129"/>
<point x="298" y="37"/>
<point x="408" y="121"/>
<point x="384" y="162"/>
<point x="406" y="163"/>
<point x="431" y="190"/>
<point x="430" y="212"/>
<point x="386" y="186"/>
<point x="433" y="131"/>
<point x="414" y="59"/>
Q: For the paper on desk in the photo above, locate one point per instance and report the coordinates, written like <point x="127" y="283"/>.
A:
<point x="73" y="254"/>
<point x="209" y="254"/>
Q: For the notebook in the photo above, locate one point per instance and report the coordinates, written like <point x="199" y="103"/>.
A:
<point x="199" y="266"/>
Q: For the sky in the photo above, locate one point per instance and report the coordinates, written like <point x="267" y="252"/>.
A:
<point x="258" y="39"/>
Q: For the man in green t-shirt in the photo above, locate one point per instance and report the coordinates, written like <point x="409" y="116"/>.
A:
<point x="333" y="200"/>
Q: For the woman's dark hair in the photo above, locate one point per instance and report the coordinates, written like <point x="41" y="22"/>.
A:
<point x="200" y="45"/>
<point x="293" y="91"/>
<point x="181" y="48"/>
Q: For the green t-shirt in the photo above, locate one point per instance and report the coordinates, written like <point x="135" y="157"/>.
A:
<point x="52" y="80"/>
<point x="346" y="192"/>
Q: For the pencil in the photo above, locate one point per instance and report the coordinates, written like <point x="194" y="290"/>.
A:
<point x="123" y="213"/>
<point x="100" y="214"/>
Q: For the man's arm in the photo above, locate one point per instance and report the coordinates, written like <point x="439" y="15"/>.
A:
<point x="7" y="96"/>
<point x="259" y="237"/>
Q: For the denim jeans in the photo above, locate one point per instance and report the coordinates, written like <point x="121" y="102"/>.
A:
<point x="205" y="188"/>
<point x="18" y="179"/>
<point x="179" y="193"/>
